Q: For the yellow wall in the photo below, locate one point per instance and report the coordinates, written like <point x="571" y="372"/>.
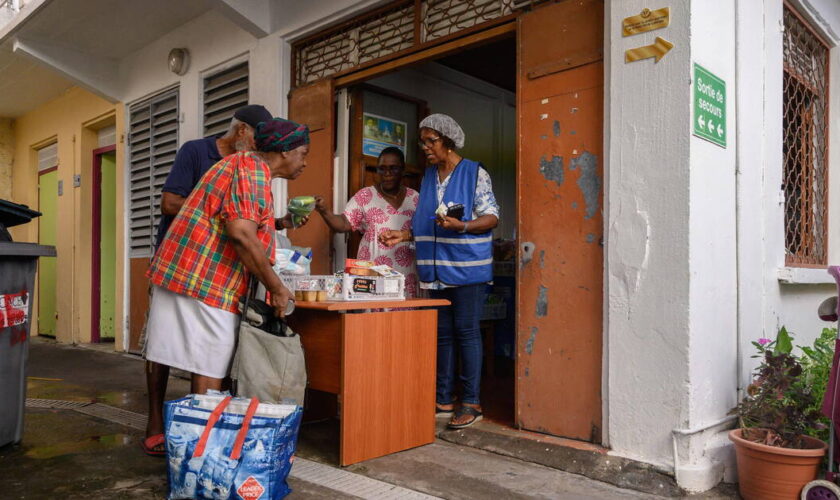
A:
<point x="72" y="120"/>
<point x="7" y="154"/>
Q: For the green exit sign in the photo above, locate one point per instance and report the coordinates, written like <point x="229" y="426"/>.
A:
<point x="709" y="106"/>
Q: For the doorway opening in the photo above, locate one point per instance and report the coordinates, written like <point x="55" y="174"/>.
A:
<point x="104" y="251"/>
<point x="543" y="147"/>
<point x="477" y="87"/>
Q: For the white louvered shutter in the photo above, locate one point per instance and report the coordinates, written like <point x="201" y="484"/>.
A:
<point x="48" y="157"/>
<point x="224" y="92"/>
<point x="153" y="142"/>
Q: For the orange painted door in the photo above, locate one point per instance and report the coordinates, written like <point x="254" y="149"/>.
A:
<point x="560" y="182"/>
<point x="314" y="105"/>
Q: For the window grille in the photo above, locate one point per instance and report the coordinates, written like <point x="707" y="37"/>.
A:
<point x="805" y="125"/>
<point x="390" y="30"/>
<point x="444" y="17"/>
<point x="224" y="92"/>
<point x="152" y="144"/>
<point x="48" y="157"/>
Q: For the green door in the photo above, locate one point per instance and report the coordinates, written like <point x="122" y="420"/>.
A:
<point x="108" y="247"/>
<point x="47" y="205"/>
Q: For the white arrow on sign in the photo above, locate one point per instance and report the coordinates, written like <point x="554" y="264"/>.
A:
<point x="720" y="130"/>
<point x="711" y="126"/>
<point x="701" y="121"/>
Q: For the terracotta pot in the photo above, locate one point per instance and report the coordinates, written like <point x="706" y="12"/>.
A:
<point x="773" y="473"/>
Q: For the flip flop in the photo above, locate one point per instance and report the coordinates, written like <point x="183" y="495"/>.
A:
<point x="150" y="443"/>
<point x="440" y="412"/>
<point x="466" y="410"/>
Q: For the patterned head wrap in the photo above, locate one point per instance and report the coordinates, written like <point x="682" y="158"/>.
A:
<point x="278" y="135"/>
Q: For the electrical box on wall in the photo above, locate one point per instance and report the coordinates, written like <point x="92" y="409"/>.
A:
<point x="77" y="180"/>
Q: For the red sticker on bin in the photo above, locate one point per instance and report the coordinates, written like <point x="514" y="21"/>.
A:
<point x="14" y="309"/>
<point x="251" y="489"/>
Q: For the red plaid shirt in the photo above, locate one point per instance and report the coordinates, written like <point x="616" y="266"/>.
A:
<point x="196" y="257"/>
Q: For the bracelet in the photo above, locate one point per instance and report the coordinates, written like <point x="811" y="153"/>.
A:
<point x="466" y="225"/>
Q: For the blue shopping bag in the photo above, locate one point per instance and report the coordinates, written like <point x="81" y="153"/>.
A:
<point x="222" y="448"/>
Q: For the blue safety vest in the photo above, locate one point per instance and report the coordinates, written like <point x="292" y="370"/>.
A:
<point x="449" y="256"/>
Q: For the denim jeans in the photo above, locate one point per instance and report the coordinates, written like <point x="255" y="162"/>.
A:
<point x="458" y="329"/>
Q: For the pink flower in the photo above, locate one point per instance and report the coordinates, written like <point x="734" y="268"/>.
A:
<point x="384" y="260"/>
<point x="377" y="216"/>
<point x="363" y="197"/>
<point x="404" y="256"/>
<point x="364" y="253"/>
<point x="356" y="217"/>
<point x="764" y="341"/>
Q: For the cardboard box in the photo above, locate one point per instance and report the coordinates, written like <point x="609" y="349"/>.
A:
<point x="356" y="288"/>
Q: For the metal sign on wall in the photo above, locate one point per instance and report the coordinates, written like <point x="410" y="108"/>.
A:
<point x="648" y="20"/>
<point x="709" y="106"/>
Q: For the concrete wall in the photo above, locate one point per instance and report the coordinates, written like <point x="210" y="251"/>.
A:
<point x="486" y="113"/>
<point x="71" y="120"/>
<point x="647" y="249"/>
<point x="713" y="354"/>
<point x="696" y="239"/>
<point x="145" y="72"/>
<point x="7" y="156"/>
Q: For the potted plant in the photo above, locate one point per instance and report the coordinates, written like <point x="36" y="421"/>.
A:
<point x="776" y="457"/>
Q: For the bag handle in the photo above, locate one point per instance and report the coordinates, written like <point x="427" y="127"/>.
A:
<point x="236" y="451"/>
<point x="211" y="422"/>
<point x="247" y="299"/>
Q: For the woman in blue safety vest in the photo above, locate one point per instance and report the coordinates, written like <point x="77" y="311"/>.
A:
<point x="454" y="249"/>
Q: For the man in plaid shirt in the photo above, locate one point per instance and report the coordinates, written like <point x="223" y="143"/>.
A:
<point x="223" y="233"/>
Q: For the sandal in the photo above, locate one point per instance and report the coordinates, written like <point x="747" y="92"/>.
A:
<point x="475" y="413"/>
<point x="154" y="446"/>
<point x="443" y="412"/>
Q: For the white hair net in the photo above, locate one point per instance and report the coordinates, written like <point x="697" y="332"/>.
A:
<point x="447" y="126"/>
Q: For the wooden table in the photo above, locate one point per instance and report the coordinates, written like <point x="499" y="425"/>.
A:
<point x="381" y="364"/>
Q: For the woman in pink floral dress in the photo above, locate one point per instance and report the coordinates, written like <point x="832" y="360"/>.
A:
<point x="388" y="205"/>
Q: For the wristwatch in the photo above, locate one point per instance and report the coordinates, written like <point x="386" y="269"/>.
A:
<point x="463" y="231"/>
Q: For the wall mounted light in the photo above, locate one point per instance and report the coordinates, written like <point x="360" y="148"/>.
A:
<point x="179" y="61"/>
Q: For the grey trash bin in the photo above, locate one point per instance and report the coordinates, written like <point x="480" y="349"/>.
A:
<point x="18" y="262"/>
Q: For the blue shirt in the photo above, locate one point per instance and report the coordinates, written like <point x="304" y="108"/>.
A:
<point x="193" y="160"/>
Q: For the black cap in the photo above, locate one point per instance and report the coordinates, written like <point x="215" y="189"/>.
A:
<point x="252" y="114"/>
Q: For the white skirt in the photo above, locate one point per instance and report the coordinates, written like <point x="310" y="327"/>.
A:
<point x="186" y="333"/>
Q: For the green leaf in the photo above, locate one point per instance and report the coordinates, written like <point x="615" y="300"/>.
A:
<point x="784" y="342"/>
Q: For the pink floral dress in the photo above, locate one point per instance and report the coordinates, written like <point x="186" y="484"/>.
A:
<point x="371" y="214"/>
